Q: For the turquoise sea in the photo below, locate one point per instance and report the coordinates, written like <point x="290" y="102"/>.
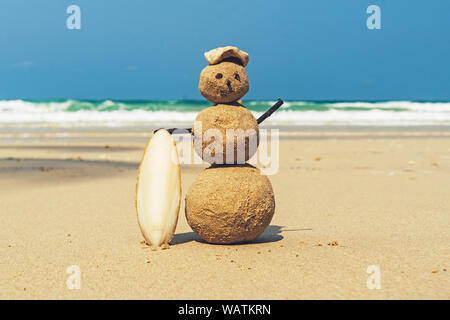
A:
<point x="108" y="113"/>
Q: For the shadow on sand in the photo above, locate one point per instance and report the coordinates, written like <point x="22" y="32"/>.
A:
<point x="72" y="148"/>
<point x="271" y="234"/>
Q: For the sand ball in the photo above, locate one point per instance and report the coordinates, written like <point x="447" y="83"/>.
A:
<point x="229" y="204"/>
<point x="223" y="82"/>
<point x="226" y="134"/>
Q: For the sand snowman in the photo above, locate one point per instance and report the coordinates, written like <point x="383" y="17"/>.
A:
<point x="231" y="201"/>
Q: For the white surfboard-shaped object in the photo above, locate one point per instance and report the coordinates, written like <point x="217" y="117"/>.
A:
<point x="158" y="190"/>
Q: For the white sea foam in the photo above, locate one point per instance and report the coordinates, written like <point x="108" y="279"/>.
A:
<point x="363" y="118"/>
<point x="406" y="105"/>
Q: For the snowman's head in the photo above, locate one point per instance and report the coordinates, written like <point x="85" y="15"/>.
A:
<point x="224" y="80"/>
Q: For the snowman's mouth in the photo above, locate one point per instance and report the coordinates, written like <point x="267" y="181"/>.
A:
<point x="226" y="92"/>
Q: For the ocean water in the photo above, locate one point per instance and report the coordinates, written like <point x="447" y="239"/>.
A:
<point x="107" y="113"/>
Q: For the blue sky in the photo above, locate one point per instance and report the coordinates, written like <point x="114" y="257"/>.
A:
<point x="306" y="50"/>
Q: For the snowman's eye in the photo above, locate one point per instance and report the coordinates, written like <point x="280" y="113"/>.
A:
<point x="219" y="76"/>
<point x="236" y="76"/>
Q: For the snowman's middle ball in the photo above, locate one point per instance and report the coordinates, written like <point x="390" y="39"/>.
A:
<point x="226" y="134"/>
<point x="223" y="82"/>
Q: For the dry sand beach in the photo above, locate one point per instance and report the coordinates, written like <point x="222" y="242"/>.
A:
<point x="344" y="201"/>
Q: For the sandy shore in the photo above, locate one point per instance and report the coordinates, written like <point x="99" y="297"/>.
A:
<point x="345" y="201"/>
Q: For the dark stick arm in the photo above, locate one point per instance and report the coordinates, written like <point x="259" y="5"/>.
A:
<point x="272" y="109"/>
<point x="263" y="117"/>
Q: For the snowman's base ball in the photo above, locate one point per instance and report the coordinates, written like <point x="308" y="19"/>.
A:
<point x="230" y="204"/>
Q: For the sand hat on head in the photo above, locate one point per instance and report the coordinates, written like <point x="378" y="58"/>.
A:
<point x="219" y="54"/>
